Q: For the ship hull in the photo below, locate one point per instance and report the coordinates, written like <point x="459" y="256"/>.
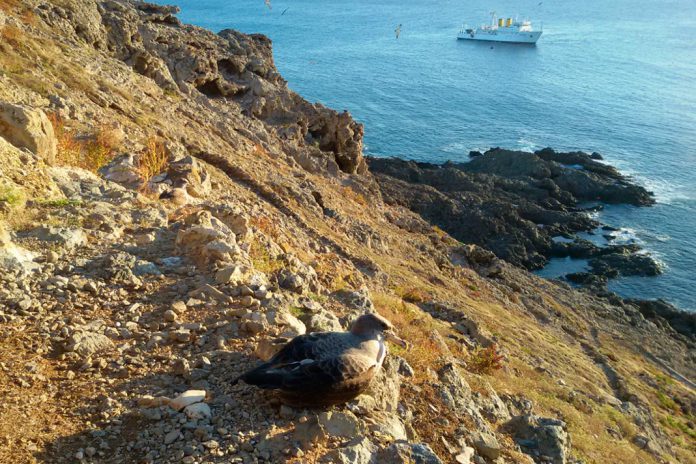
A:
<point x="493" y="36"/>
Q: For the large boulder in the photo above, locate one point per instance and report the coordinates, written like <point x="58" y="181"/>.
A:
<point x="298" y="276"/>
<point x="89" y="343"/>
<point x="189" y="172"/>
<point x="29" y="128"/>
<point x="360" y="450"/>
<point x="206" y="240"/>
<point x="14" y="257"/>
<point x="407" y="453"/>
<point x="543" y="437"/>
<point x="66" y="237"/>
<point x="384" y="391"/>
<point x="23" y="176"/>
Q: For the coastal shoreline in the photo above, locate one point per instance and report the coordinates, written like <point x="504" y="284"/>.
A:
<point x="525" y="207"/>
<point x="529" y="208"/>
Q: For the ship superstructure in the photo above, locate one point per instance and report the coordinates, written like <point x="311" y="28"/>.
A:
<point x="502" y="30"/>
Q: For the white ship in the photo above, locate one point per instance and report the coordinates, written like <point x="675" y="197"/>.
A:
<point x="502" y="30"/>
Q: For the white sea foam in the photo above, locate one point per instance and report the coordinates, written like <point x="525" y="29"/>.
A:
<point x="525" y="144"/>
<point x="625" y="236"/>
<point x="463" y="148"/>
<point x="666" y="191"/>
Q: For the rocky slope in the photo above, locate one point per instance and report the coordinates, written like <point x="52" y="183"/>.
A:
<point x="171" y="212"/>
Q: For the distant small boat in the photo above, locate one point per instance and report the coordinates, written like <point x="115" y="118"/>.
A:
<point x="502" y="30"/>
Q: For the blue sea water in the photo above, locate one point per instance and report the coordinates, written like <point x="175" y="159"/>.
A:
<point x="618" y="77"/>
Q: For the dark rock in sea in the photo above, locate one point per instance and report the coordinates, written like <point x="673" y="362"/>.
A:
<point x="609" y="228"/>
<point x="584" y="249"/>
<point x="579" y="248"/>
<point x="660" y="310"/>
<point x="510" y="202"/>
<point x="625" y="264"/>
<point x="596" y="156"/>
<point x="475" y="154"/>
<point x="478" y="208"/>
<point x="588" y="280"/>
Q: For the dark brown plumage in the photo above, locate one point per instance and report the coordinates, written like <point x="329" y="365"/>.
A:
<point x="326" y="368"/>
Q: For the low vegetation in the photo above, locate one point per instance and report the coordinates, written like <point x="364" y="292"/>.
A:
<point x="413" y="295"/>
<point x="263" y="260"/>
<point x="266" y="225"/>
<point x="153" y="160"/>
<point x="89" y="151"/>
<point x="11" y="34"/>
<point x="352" y="195"/>
<point x="59" y="203"/>
<point x="7" y="5"/>
<point x="486" y="360"/>
<point x="421" y="331"/>
<point x="10" y="196"/>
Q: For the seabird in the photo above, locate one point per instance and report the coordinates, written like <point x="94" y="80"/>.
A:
<point x="326" y="368"/>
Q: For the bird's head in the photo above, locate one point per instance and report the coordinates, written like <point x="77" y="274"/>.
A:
<point x="371" y="324"/>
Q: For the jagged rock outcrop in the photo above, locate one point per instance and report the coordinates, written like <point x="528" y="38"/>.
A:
<point x="662" y="312"/>
<point x="472" y="201"/>
<point x="547" y="440"/>
<point x="229" y="65"/>
<point x="28" y="128"/>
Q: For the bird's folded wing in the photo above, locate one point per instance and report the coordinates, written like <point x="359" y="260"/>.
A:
<point x="313" y="375"/>
<point x="314" y="346"/>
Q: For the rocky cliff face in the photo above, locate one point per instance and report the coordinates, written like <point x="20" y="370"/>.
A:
<point x="171" y="213"/>
<point x="233" y="67"/>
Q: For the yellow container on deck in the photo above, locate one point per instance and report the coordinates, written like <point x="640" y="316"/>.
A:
<point x="500" y="22"/>
<point x="509" y="22"/>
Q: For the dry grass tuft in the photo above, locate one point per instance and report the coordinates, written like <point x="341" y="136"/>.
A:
<point x="414" y="295"/>
<point x="354" y="196"/>
<point x="28" y="17"/>
<point x="7" y="5"/>
<point x="11" y="35"/>
<point x="25" y="14"/>
<point x="266" y="225"/>
<point x="90" y="152"/>
<point x="486" y="360"/>
<point x="153" y="160"/>
<point x="415" y="327"/>
<point x="259" y="150"/>
<point x="263" y="260"/>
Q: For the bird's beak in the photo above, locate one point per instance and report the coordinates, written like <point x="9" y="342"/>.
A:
<point x="392" y="337"/>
